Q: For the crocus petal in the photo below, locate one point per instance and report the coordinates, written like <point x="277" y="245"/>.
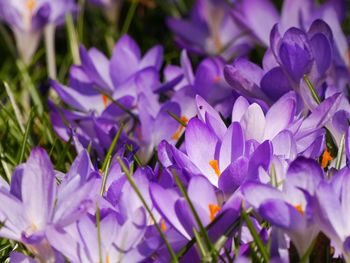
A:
<point x="201" y="144"/>
<point x="295" y="53"/>
<point x="164" y="201"/>
<point x="127" y="52"/>
<point x="281" y="214"/>
<point x="239" y="108"/>
<point x="253" y="123"/>
<point x="199" y="185"/>
<point x="63" y="242"/>
<point x="252" y="12"/>
<point x="38" y="188"/>
<point x="244" y="76"/>
<point x="279" y="116"/>
<point x="153" y="58"/>
<point x="275" y="83"/>
<point x="304" y="174"/>
<point x="284" y="145"/>
<point x="233" y="145"/>
<point x="257" y="193"/>
<point x="329" y="205"/>
<point x="233" y="176"/>
<point x="322" y="52"/>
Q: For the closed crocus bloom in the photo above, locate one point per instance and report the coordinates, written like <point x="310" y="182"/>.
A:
<point x="333" y="208"/>
<point x="111" y="8"/>
<point x="28" y="18"/>
<point x="210" y="30"/>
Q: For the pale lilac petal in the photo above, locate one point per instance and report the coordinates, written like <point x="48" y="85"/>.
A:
<point x="38" y="188"/>
<point x="253" y="123"/>
<point x="239" y="108"/>
<point x="257" y="193"/>
<point x="125" y="60"/>
<point x="201" y="144"/>
<point x="279" y="116"/>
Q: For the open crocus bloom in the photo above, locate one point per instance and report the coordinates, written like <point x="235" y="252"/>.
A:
<point x="293" y="208"/>
<point x="217" y="159"/>
<point x="176" y="213"/>
<point x="102" y="93"/>
<point x="27" y="19"/>
<point x="36" y="202"/>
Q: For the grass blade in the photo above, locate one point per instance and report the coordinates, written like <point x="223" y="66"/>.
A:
<point x="25" y="137"/>
<point x="256" y="237"/>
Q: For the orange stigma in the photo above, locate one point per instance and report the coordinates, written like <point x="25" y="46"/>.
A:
<point x="107" y="259"/>
<point x="216" y="79"/>
<point x="105" y="100"/>
<point x="163" y="225"/>
<point x="178" y="132"/>
<point x="31" y="4"/>
<point x="299" y="209"/>
<point x="215" y="165"/>
<point x="326" y="158"/>
<point x="213" y="210"/>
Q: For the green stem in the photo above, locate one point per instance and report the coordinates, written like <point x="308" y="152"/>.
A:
<point x="129" y="16"/>
<point x="49" y="34"/>
<point x="98" y="224"/>
<point x="312" y="89"/>
<point x="256" y="237"/>
<point x="194" y="212"/>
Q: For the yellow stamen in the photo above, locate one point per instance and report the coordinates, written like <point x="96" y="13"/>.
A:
<point x="215" y="165"/>
<point x="326" y="157"/>
<point x="31" y="4"/>
<point x="213" y="210"/>
<point x="299" y="209"/>
<point x="107" y="258"/>
<point x="163" y="225"/>
<point x="105" y="100"/>
<point x="178" y="132"/>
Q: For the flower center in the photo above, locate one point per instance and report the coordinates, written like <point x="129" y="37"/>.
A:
<point x="213" y="210"/>
<point x="163" y="225"/>
<point x="105" y="100"/>
<point x="215" y="165"/>
<point x="299" y="209"/>
<point x="31" y="4"/>
<point x="216" y="79"/>
<point x="178" y="132"/>
<point x="326" y="158"/>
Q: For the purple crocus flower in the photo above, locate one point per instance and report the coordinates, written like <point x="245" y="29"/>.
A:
<point x="295" y="13"/>
<point x="37" y="202"/>
<point x="95" y="118"/>
<point x="27" y="19"/>
<point x="293" y="208"/>
<point x="290" y="57"/>
<point x="176" y="214"/>
<point x="183" y="84"/>
<point x="225" y="161"/>
<point x="124" y="225"/>
<point x="210" y="30"/>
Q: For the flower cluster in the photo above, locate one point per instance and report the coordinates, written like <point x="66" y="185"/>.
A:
<point x="216" y="157"/>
